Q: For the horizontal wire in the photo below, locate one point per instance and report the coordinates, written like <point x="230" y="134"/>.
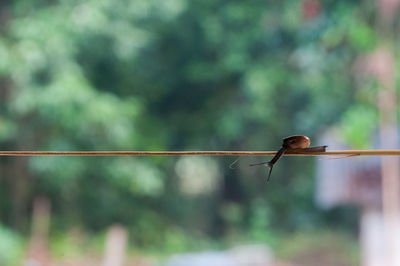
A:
<point x="179" y="153"/>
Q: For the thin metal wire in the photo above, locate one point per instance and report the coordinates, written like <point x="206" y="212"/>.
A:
<point x="179" y="153"/>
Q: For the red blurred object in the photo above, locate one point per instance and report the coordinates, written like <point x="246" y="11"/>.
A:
<point x="310" y="8"/>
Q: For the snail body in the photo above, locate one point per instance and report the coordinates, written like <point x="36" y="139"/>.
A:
<point x="289" y="143"/>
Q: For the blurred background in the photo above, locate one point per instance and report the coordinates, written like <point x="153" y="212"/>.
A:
<point x="196" y="75"/>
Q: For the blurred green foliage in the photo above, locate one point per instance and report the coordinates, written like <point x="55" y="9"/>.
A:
<point x="330" y="248"/>
<point x="175" y="75"/>
<point x="11" y="247"/>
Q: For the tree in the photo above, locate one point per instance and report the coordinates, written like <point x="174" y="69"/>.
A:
<point x="164" y="76"/>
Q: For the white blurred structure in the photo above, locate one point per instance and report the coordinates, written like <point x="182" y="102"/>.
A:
<point x="116" y="242"/>
<point x="356" y="181"/>
<point x="246" y="255"/>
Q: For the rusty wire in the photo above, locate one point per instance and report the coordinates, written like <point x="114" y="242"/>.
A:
<point x="180" y="153"/>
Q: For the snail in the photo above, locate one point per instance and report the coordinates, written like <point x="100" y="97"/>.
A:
<point x="290" y="143"/>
